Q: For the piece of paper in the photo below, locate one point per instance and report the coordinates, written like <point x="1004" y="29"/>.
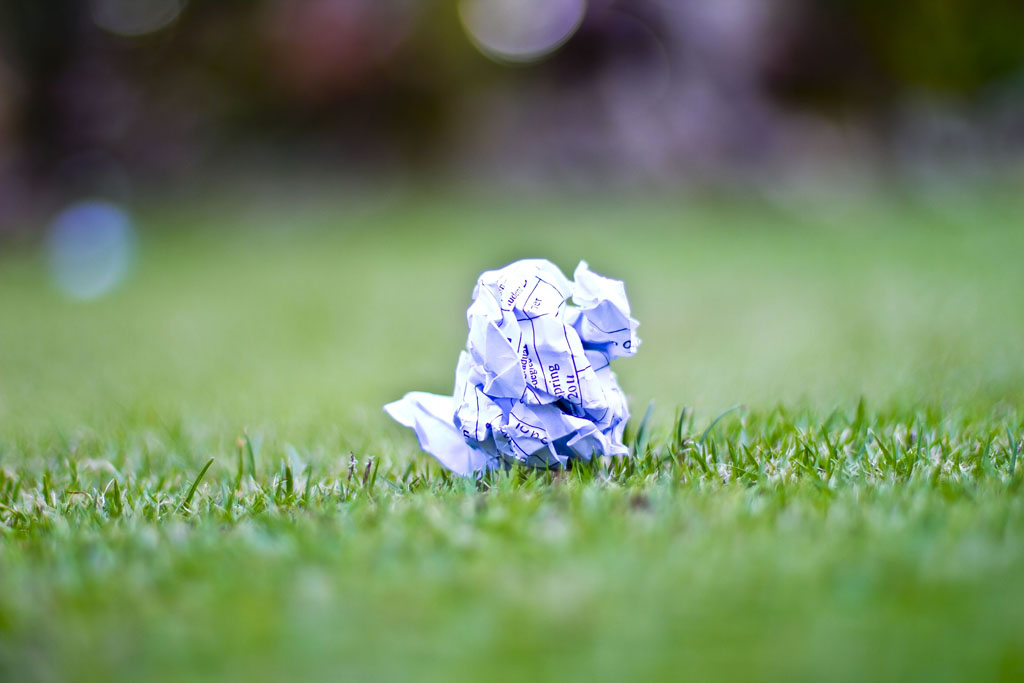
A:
<point x="533" y="385"/>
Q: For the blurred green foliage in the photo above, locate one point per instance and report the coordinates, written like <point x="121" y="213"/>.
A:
<point x="956" y="47"/>
<point x="400" y="85"/>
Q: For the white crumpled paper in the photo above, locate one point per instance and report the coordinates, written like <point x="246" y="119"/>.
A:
<point x="534" y="384"/>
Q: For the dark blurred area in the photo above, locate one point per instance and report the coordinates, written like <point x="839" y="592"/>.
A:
<point x="108" y="98"/>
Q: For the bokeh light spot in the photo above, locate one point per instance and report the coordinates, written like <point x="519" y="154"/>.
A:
<point x="91" y="245"/>
<point x="520" y="30"/>
<point x="135" y="17"/>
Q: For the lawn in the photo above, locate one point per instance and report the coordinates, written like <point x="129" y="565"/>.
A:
<point x="827" y="488"/>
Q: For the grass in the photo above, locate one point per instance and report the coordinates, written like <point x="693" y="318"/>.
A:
<point x="197" y="481"/>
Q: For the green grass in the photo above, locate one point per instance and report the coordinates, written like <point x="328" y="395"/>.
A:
<point x="197" y="482"/>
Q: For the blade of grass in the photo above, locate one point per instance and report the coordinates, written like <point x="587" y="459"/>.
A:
<point x="714" y="422"/>
<point x="250" y="453"/>
<point x="240" y="443"/>
<point x="195" y="484"/>
<point x="114" y="506"/>
<point x="1014" y="448"/>
<point x="640" y="442"/>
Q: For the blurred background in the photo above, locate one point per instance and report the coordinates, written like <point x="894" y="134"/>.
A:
<point x="274" y="210"/>
<point x="123" y="98"/>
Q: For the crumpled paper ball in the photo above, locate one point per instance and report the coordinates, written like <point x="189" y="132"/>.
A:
<point x="534" y="385"/>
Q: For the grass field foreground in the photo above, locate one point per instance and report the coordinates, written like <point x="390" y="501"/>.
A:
<point x="197" y="482"/>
